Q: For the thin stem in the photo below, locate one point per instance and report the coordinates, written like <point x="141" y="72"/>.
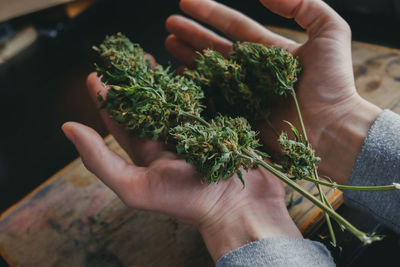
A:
<point x="272" y="127"/>
<point x="326" y="201"/>
<point x="198" y="118"/>
<point x="330" y="228"/>
<point x="354" y="188"/>
<point x="315" y="174"/>
<point x="342" y="221"/>
<point x="303" y="129"/>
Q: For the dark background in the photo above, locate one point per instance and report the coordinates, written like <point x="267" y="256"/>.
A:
<point x="44" y="86"/>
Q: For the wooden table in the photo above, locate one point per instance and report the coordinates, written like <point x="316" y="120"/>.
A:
<point x="74" y="220"/>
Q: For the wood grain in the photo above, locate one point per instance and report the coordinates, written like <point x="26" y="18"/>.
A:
<point x="75" y="220"/>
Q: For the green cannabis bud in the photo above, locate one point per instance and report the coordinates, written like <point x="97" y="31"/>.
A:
<point x="298" y="160"/>
<point x="216" y="149"/>
<point x="248" y="82"/>
<point x="143" y="110"/>
<point x="123" y="61"/>
<point x="146" y="100"/>
<point x="269" y="68"/>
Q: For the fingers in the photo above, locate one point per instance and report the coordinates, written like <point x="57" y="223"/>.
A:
<point x="140" y="150"/>
<point x="180" y="50"/>
<point x="98" y="158"/>
<point x="195" y="35"/>
<point x="96" y="87"/>
<point x="313" y="15"/>
<point x="233" y="23"/>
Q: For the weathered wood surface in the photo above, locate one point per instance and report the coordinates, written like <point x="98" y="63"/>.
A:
<point x="74" y="220"/>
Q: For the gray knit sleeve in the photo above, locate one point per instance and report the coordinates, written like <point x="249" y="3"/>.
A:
<point x="379" y="164"/>
<point x="278" y="252"/>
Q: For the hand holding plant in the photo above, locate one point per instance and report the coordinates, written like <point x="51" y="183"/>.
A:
<point x="160" y="180"/>
<point x="154" y="103"/>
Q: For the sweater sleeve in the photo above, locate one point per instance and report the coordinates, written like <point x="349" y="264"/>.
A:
<point x="379" y="164"/>
<point x="278" y="252"/>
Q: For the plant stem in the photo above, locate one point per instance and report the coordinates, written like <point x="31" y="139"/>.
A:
<point x="272" y="127"/>
<point x="342" y="221"/>
<point x="315" y="173"/>
<point x="394" y="186"/>
<point x="326" y="201"/>
<point x="198" y="118"/>
<point x="303" y="129"/>
<point x="354" y="188"/>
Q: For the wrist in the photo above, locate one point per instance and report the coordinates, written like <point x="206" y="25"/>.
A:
<point x="238" y="228"/>
<point x="340" y="142"/>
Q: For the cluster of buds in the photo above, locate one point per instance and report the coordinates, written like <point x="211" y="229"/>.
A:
<point x="216" y="148"/>
<point x="153" y="102"/>
<point x="298" y="158"/>
<point x="249" y="82"/>
<point x="147" y="101"/>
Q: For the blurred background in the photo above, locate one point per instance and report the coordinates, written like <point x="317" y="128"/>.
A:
<point x="45" y="56"/>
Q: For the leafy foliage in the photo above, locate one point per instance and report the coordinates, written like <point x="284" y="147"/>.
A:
<point x="248" y="82"/>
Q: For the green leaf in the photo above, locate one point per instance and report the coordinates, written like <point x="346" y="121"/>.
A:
<point x="295" y="131"/>
<point x="240" y="176"/>
<point x="262" y="154"/>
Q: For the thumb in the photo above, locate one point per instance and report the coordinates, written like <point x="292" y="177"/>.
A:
<point x="97" y="156"/>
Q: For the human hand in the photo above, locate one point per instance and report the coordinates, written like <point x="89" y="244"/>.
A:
<point x="226" y="215"/>
<point x="337" y="119"/>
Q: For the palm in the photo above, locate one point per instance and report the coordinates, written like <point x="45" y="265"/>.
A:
<point x="324" y="76"/>
<point x="173" y="183"/>
<point x="326" y="83"/>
